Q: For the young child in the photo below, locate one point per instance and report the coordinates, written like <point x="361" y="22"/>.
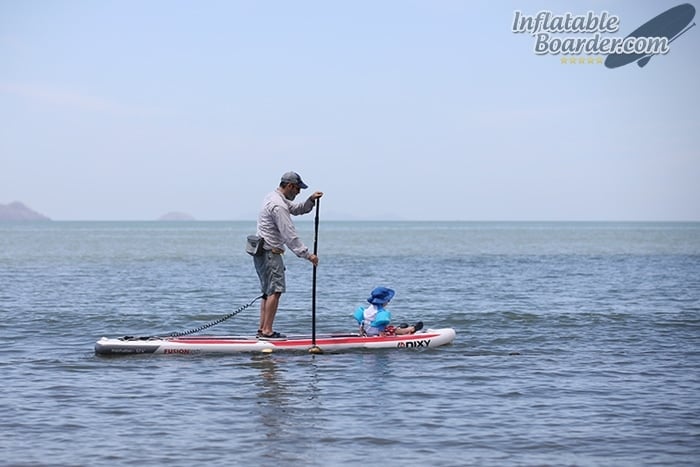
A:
<point x="374" y="320"/>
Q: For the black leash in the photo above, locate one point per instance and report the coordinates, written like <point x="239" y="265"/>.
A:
<point x="215" y="322"/>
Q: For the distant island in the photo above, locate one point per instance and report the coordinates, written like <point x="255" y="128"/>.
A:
<point x="17" y="211"/>
<point x="176" y="216"/>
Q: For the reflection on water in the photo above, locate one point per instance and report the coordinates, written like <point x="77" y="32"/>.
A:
<point x="273" y="390"/>
<point x="287" y="404"/>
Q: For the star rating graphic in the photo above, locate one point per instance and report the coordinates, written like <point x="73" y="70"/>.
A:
<point x="590" y="60"/>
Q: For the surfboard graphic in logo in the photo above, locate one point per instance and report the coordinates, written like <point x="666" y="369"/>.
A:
<point x="670" y="24"/>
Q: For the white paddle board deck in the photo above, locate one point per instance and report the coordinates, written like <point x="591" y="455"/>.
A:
<point x="197" y="345"/>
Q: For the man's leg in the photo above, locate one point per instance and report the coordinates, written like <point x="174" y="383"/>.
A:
<point x="262" y="313"/>
<point x="268" y="310"/>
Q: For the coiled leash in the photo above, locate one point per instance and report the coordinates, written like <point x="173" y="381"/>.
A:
<point x="215" y="322"/>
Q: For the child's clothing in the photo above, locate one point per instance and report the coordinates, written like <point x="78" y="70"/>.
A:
<point x="374" y="319"/>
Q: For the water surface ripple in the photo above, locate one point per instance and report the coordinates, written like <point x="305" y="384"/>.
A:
<point x="577" y="344"/>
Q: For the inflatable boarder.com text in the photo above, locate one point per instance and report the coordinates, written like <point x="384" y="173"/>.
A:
<point x="544" y="24"/>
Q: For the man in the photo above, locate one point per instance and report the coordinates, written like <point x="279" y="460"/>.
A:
<point x="276" y="229"/>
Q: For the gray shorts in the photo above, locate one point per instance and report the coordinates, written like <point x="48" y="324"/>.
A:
<point x="270" y="269"/>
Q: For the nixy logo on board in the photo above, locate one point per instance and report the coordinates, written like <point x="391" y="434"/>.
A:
<point x="591" y="44"/>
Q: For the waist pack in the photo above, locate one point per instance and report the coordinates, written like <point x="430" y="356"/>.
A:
<point x="254" y="245"/>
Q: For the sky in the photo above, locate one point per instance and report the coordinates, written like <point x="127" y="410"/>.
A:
<point x="395" y="109"/>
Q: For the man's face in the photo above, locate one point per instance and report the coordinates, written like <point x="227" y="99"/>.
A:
<point x="291" y="191"/>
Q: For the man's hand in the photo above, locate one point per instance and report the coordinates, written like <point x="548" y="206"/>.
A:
<point x="314" y="259"/>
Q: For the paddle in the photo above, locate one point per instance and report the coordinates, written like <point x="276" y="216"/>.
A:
<point x="314" y="348"/>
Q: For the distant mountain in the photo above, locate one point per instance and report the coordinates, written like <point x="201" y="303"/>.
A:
<point x="19" y="212"/>
<point x="176" y="216"/>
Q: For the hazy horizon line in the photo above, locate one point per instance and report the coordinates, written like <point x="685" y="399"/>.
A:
<point x="311" y="220"/>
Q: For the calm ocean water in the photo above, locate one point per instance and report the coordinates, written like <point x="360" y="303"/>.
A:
<point x="577" y="344"/>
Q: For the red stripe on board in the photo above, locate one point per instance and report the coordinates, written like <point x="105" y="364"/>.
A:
<point x="302" y="342"/>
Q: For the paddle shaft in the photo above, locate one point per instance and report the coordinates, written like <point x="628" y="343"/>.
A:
<point x="313" y="281"/>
